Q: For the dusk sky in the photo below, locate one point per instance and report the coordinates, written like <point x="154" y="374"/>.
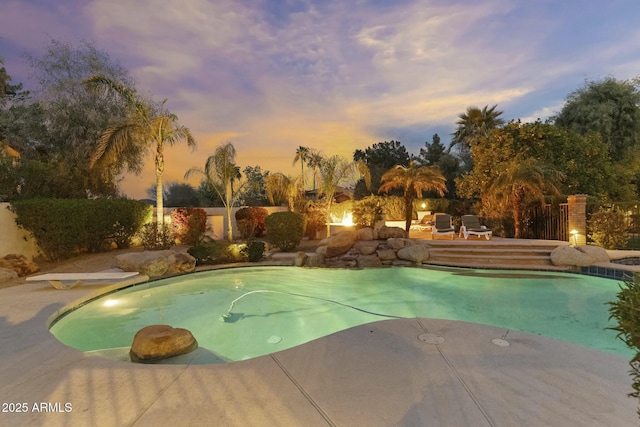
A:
<point x="271" y="75"/>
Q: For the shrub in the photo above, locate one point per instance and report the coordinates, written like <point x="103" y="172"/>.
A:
<point x="315" y="219"/>
<point x="367" y="211"/>
<point x="626" y="311"/>
<point x="285" y="229"/>
<point x="608" y="228"/>
<point x="250" y="222"/>
<point x="189" y="225"/>
<point x="154" y="239"/>
<point x="66" y="227"/>
<point x="218" y="252"/>
<point x="254" y="250"/>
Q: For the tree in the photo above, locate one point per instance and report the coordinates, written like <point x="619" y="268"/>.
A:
<point x="181" y="194"/>
<point x="333" y="171"/>
<point x="302" y="156"/>
<point x="255" y="193"/>
<point x="610" y="108"/>
<point x="413" y="180"/>
<point x="281" y="189"/>
<point x="471" y="127"/>
<point x="522" y="181"/>
<point x="379" y="158"/>
<point x="436" y="154"/>
<point x="220" y="173"/>
<point x="145" y="126"/>
<point x="431" y="154"/>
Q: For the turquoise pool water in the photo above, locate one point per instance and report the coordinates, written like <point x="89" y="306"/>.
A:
<point x="242" y="313"/>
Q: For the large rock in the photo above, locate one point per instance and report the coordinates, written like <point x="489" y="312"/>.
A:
<point x="399" y="242"/>
<point x="365" y="233"/>
<point x="157" y="342"/>
<point x="300" y="259"/>
<point x="596" y="253"/>
<point x="20" y="264"/>
<point x="415" y="253"/>
<point x="568" y="256"/>
<point x="156" y="263"/>
<point x="366" y="247"/>
<point x="386" y="254"/>
<point x="387" y="232"/>
<point x="364" y="261"/>
<point x="7" y="274"/>
<point x="340" y="243"/>
<point x="315" y="260"/>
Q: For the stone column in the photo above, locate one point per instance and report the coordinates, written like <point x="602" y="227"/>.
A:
<point x="577" y="219"/>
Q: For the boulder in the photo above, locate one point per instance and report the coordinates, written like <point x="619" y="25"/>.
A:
<point x="156" y="263"/>
<point x="568" y="256"/>
<point x="20" y="264"/>
<point x="7" y="274"/>
<point x="387" y="232"/>
<point x="365" y="233"/>
<point x="181" y="262"/>
<point x="399" y="242"/>
<point x="321" y="251"/>
<point x="368" y="261"/>
<point x="596" y="253"/>
<point x="386" y="254"/>
<point x="157" y="342"/>
<point x="415" y="253"/>
<point x="366" y="247"/>
<point x="315" y="260"/>
<point x="300" y="259"/>
<point x="339" y="243"/>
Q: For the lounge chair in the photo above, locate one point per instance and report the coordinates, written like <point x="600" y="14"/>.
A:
<point x="424" y="224"/>
<point x="71" y="280"/>
<point x="471" y="227"/>
<point x="442" y="226"/>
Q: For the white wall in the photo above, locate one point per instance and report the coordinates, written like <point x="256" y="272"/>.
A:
<point x="14" y="240"/>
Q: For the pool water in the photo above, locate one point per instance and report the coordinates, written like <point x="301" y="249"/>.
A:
<point x="242" y="313"/>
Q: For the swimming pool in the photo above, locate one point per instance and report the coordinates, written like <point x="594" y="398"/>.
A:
<point x="241" y="313"/>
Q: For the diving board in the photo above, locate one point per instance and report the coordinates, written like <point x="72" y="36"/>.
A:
<point x="71" y="280"/>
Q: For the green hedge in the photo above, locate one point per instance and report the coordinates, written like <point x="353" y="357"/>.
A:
<point x="66" y="227"/>
<point x="285" y="229"/>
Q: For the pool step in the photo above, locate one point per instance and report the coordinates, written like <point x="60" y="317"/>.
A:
<point x="486" y="254"/>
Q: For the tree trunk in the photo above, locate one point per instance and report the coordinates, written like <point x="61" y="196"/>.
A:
<point x="228" y="205"/>
<point x="159" y="195"/>
<point x="408" y="213"/>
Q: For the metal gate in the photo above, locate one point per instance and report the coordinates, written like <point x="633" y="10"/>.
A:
<point x="548" y="222"/>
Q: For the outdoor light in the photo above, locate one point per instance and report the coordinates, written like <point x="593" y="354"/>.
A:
<point x="574" y="233"/>
<point x="424" y="205"/>
<point x="110" y="302"/>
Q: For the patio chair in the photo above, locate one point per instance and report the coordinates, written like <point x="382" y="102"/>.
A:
<point x="424" y="224"/>
<point x="471" y="227"/>
<point x="442" y="226"/>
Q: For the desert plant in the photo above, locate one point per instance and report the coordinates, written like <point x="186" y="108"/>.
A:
<point x="189" y="225"/>
<point x="315" y="218"/>
<point x="250" y="222"/>
<point x="285" y="229"/>
<point x="218" y="252"/>
<point x="608" y="228"/>
<point x="367" y="211"/>
<point x="154" y="239"/>
<point x="254" y="250"/>
<point x="626" y="311"/>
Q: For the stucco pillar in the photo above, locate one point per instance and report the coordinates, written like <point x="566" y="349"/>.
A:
<point x="577" y="219"/>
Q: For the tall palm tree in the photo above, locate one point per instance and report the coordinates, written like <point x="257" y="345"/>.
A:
<point x="302" y="156"/>
<point x="413" y="180"/>
<point x="220" y="173"/>
<point x="146" y="126"/>
<point x="315" y="160"/>
<point x="523" y="181"/>
<point x="333" y="171"/>
<point x="472" y="126"/>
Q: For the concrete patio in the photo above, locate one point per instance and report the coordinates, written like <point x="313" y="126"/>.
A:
<point x="410" y="372"/>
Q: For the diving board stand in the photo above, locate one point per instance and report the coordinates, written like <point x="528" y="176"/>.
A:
<point x="71" y="280"/>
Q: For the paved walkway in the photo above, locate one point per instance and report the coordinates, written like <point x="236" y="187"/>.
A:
<point x="410" y="372"/>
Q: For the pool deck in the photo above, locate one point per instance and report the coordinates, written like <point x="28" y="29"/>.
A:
<point x="409" y="372"/>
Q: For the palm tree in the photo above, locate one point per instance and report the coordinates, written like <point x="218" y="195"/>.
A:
<point x="146" y="126"/>
<point x="413" y="180"/>
<point x="522" y="181"/>
<point x="282" y="189"/>
<point x="302" y="155"/>
<point x="220" y="173"/>
<point x="315" y="160"/>
<point x="333" y="171"/>
<point x="472" y="126"/>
